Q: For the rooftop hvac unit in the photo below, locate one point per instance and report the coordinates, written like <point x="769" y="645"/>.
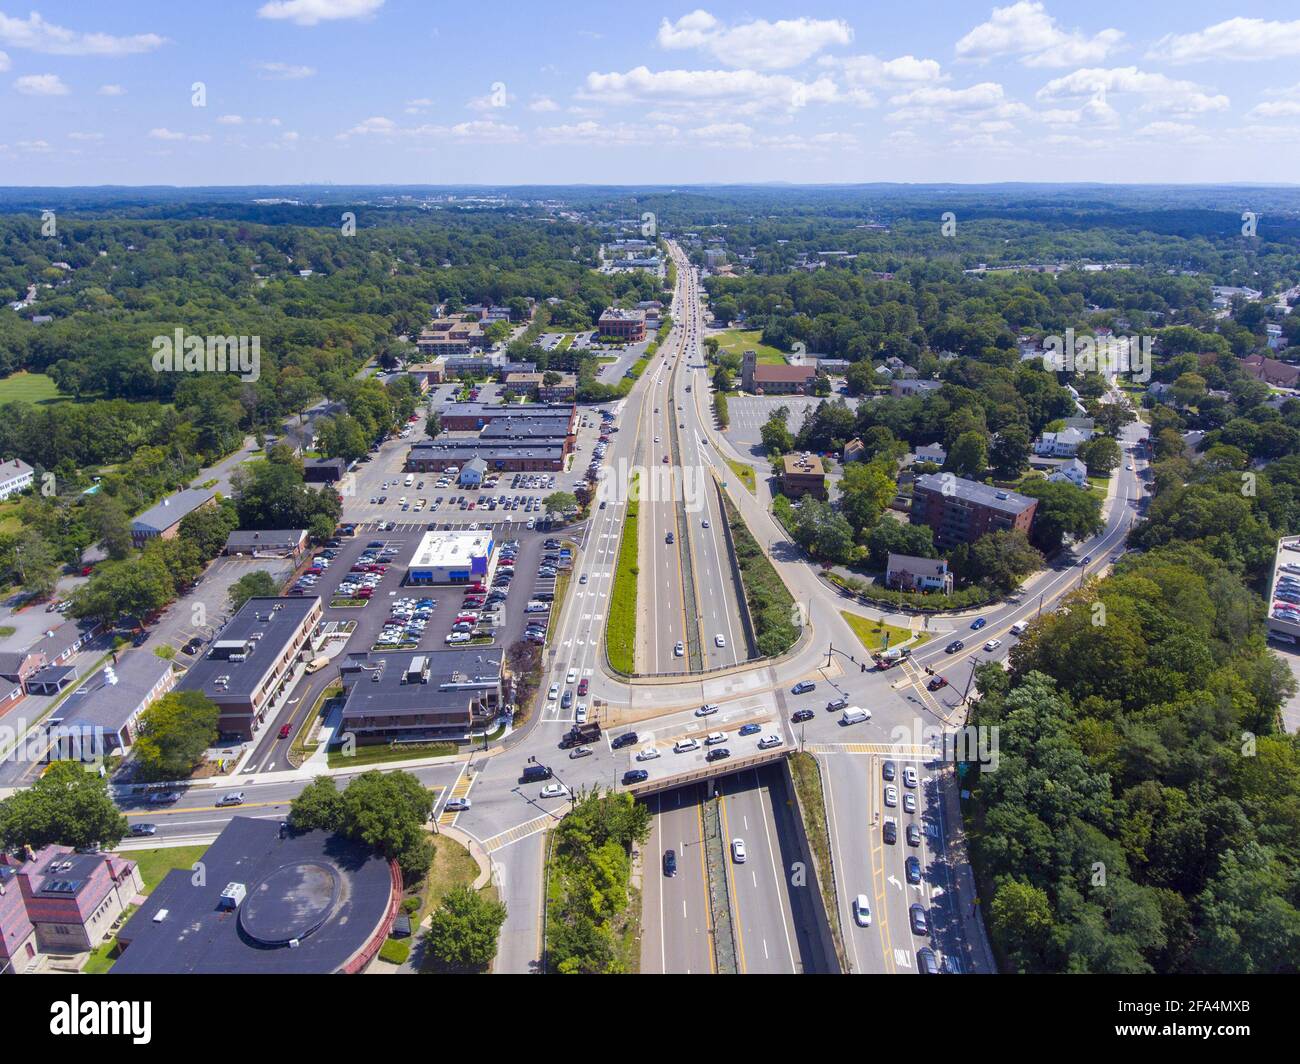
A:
<point x="232" y="896"/>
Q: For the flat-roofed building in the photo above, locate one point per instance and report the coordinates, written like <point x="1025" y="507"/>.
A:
<point x="471" y="417"/>
<point x="619" y="324"/>
<point x="564" y="390"/>
<point x="452" y="335"/>
<point x="802" y="474"/>
<point x="518" y="384"/>
<point x="961" y="510"/>
<point x="252" y="659"/>
<point x="324" y="470"/>
<point x="271" y="543"/>
<point x="419" y="696"/>
<point x="449" y="453"/>
<point x="451" y="557"/>
<point x="902" y="387"/>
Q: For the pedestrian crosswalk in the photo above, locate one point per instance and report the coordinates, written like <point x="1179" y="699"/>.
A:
<point x="459" y="789"/>
<point x="520" y="831"/>
<point x="900" y="751"/>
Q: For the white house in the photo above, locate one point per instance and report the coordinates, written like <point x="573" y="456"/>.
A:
<point x="1073" y="471"/>
<point x="1063" y="444"/>
<point x="15" y="476"/>
<point x="918" y="574"/>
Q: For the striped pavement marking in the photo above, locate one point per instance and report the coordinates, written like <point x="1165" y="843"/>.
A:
<point x="459" y="789"/>
<point x="902" y="751"/>
<point x="520" y="831"/>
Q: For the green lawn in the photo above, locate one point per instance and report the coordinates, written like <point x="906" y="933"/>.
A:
<point x="738" y="341"/>
<point x="25" y="387"/>
<point x="155" y="864"/>
<point x="746" y="474"/>
<point x="377" y="755"/>
<point x="620" y="629"/>
<point x="871" y="633"/>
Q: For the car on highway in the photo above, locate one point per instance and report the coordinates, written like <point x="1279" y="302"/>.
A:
<point x="164" y="797"/>
<point x="635" y="775"/>
<point x="566" y="700"/>
<point x="890" y="830"/>
<point x="801" y="715"/>
<point x="583" y="685"/>
<point x="144" y="829"/>
<point x="670" y="862"/>
<point x="977" y="624"/>
<point x="769" y="741"/>
<point x="580" y="714"/>
<point x="620" y="741"/>
<point x="580" y="751"/>
<point x="572" y="677"/>
<point x="554" y="790"/>
<point x="713" y="738"/>
<point x="719" y="641"/>
<point x="887" y="770"/>
<point x="913" y="868"/>
<point x="954" y="646"/>
<point x="456" y="805"/>
<point x="718" y="753"/>
<point x="679" y="650"/>
<point x="685" y="746"/>
<point x="916" y="914"/>
<point x="648" y="754"/>
<point x="992" y="644"/>
<point x="553" y="693"/>
<point x="706" y="710"/>
<point x="803" y="687"/>
<point x="862" y="911"/>
<point x="909" y="775"/>
<point x="913" y="835"/>
<point x="738" y="851"/>
<point x="1085" y="559"/>
<point x="891" y="795"/>
<point x="909" y="802"/>
<point x="749" y="729"/>
<point x="937" y="684"/>
<point x="233" y="798"/>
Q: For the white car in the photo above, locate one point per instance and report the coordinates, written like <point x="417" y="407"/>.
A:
<point x="1129" y="467"/>
<point x="909" y="802"/>
<point x="909" y="776"/>
<point x="713" y="738"/>
<point x="553" y="693"/>
<point x="554" y="790"/>
<point x="992" y="644"/>
<point x="580" y="715"/>
<point x="706" y="709"/>
<point x="738" y="850"/>
<point x="891" y="795"/>
<point x="456" y="805"/>
<point x="572" y="677"/>
<point x="862" y="911"/>
<point x="769" y="741"/>
<point x="720" y="640"/>
<point x="685" y="746"/>
<point x="679" y="650"/>
<point x="648" y="754"/>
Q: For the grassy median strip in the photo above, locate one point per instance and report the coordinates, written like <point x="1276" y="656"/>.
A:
<point x="770" y="603"/>
<point x="807" y="777"/>
<point x="620" y="628"/>
<point x="872" y="634"/>
<point x="746" y="474"/>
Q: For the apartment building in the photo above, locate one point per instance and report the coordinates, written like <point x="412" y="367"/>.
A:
<point x="618" y="324"/>
<point x="961" y="511"/>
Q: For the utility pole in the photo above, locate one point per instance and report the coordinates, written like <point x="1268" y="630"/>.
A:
<point x="969" y="679"/>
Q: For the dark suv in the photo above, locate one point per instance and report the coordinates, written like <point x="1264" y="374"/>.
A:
<point x="620" y="741"/>
<point x="718" y="753"/>
<point x="635" y="775"/>
<point x="891" y="831"/>
<point x="670" y="862"/>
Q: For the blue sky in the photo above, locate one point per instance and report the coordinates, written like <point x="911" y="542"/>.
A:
<point x="403" y="91"/>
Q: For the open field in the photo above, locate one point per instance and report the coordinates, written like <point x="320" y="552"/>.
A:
<point x="25" y="387"/>
<point x="738" y="341"/>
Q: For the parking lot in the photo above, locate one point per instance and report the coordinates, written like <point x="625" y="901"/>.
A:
<point x="366" y="576"/>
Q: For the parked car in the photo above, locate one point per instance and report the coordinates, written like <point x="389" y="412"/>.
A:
<point x="801" y="715"/>
<point x="920" y="924"/>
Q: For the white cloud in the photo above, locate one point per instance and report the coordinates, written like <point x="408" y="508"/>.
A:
<point x="418" y="106"/>
<point x="40" y="85"/>
<point x="495" y="100"/>
<point x="1026" y="30"/>
<point x="1275" y="109"/>
<point x="310" y="12"/>
<point x="33" y="145"/>
<point x="761" y="44"/>
<point x="620" y="134"/>
<point x="231" y="120"/>
<point x="543" y="104"/>
<point x="482" y="131"/>
<point x="77" y="135"/>
<point x="1158" y="92"/>
<point x="708" y="86"/>
<point x="932" y="103"/>
<point x="378" y="124"/>
<point x="1236" y="39"/>
<point x="1182" y="132"/>
<point x="163" y="133"/>
<point x="867" y="71"/>
<point x="37" y="35"/>
<point x="112" y="90"/>
<point x="284" y="71"/>
<point x="4" y="62"/>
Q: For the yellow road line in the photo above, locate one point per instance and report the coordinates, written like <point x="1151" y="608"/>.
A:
<point x="202" y="809"/>
<point x="704" y="878"/>
<point x="732" y="893"/>
<point x="878" y="879"/>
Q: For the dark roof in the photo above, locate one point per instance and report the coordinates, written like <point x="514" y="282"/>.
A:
<point x="527" y="428"/>
<point x="490" y="450"/>
<point x="273" y="538"/>
<point x="161" y="516"/>
<point x="491" y="411"/>
<point x="330" y="894"/>
<point x="443" y="681"/>
<point x="261" y="630"/>
<point x="99" y="704"/>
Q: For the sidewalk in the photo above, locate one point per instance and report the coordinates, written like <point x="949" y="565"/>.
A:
<point x="977" y="954"/>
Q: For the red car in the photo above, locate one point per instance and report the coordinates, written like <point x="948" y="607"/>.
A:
<point x="285" y="729"/>
<point x="582" y="686"/>
<point x="86" y="570"/>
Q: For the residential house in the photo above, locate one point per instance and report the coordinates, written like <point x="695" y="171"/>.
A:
<point x="906" y="572"/>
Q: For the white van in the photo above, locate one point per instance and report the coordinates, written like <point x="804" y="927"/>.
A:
<point x="410" y="479"/>
<point x="1019" y="628"/>
<point x="855" y="715"/>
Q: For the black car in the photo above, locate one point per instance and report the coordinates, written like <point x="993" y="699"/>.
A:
<point x="140" y="639"/>
<point x="925" y="961"/>
<point x="954" y="646"/>
<point x="887" y="770"/>
<point x="635" y="775"/>
<point x="718" y="753"/>
<point x="891" y="831"/>
<point x="670" y="862"/>
<point x="800" y="715"/>
<point x="937" y="683"/>
<point x="920" y="925"/>
<point x="913" y="865"/>
<point x="626" y="739"/>
<point x="913" y="835"/>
